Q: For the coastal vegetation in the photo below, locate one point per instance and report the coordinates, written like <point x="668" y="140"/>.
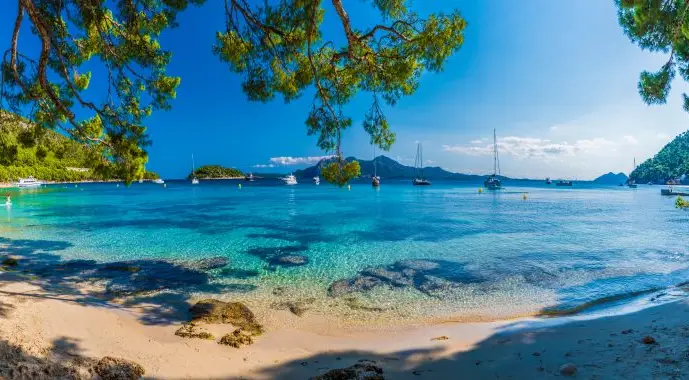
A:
<point x="215" y="172"/>
<point x="27" y="149"/>
<point x="682" y="203"/>
<point x="279" y="48"/>
<point x="672" y="162"/>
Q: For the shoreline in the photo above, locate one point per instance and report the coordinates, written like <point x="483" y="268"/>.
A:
<point x="39" y="324"/>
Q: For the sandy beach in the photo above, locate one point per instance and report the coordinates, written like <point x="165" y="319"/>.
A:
<point x="44" y="333"/>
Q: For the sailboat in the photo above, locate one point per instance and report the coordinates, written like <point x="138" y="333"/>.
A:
<point x="194" y="180"/>
<point x="493" y="182"/>
<point x="630" y="182"/>
<point x="375" y="180"/>
<point x="418" y="164"/>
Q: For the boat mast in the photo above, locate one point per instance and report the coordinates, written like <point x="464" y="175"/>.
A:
<point x="495" y="154"/>
<point x="375" y="168"/>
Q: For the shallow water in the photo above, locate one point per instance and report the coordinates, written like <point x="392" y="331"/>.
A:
<point x="440" y="252"/>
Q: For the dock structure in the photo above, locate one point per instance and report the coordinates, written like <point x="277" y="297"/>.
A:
<point x="676" y="190"/>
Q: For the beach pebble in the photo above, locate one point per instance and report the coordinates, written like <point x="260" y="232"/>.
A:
<point x="648" y="340"/>
<point x="568" y="369"/>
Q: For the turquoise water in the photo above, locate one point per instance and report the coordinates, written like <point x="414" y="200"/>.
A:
<point x="443" y="251"/>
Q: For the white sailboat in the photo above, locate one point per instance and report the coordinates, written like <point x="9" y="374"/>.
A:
<point x="194" y="180"/>
<point x="419" y="180"/>
<point x="630" y="182"/>
<point x="493" y="182"/>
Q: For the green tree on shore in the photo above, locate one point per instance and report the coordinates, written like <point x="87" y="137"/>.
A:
<point x="278" y="47"/>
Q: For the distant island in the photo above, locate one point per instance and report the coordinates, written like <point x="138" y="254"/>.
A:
<point x="388" y="168"/>
<point x="671" y="163"/>
<point x="611" y="179"/>
<point x="29" y="150"/>
<point x="216" y="172"/>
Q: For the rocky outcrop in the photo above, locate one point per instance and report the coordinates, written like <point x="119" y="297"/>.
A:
<point x="235" y="313"/>
<point x="236" y="339"/>
<point x="359" y="371"/>
<point x="191" y="330"/>
<point x="110" y="368"/>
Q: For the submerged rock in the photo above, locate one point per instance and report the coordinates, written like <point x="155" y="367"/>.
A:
<point x="288" y="260"/>
<point x="568" y="369"/>
<point x="359" y="283"/>
<point x="648" y="340"/>
<point x="10" y="262"/>
<point x="235" y="313"/>
<point x="236" y="339"/>
<point x="190" y="330"/>
<point x="297" y="308"/>
<point x="359" y="371"/>
<point x="110" y="368"/>
<point x="209" y="263"/>
<point x="121" y="267"/>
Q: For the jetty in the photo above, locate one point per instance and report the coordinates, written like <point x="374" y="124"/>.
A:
<point x="674" y="190"/>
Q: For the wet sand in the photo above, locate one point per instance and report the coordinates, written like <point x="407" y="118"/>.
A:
<point x="38" y="327"/>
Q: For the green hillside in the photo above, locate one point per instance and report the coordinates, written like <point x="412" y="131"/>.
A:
<point x="27" y="150"/>
<point x="671" y="162"/>
<point x="215" y="171"/>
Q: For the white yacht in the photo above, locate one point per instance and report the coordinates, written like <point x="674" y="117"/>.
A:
<point x="290" y="179"/>
<point x="159" y="181"/>
<point x="317" y="180"/>
<point x="29" y="182"/>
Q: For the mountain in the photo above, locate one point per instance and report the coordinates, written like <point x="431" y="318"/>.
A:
<point x="391" y="169"/>
<point x="611" y="179"/>
<point x="672" y="162"/>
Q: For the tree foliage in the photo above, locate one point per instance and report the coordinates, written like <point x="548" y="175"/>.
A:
<point x="279" y="46"/>
<point x="215" y="171"/>
<point x="670" y="163"/>
<point x="681" y="203"/>
<point x="659" y="26"/>
<point x="30" y="150"/>
<point x="75" y="35"/>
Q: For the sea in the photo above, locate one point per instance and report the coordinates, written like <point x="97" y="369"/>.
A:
<point x="440" y="252"/>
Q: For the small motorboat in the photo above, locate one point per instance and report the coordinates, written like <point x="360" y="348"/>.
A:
<point x="548" y="181"/>
<point x="29" y="182"/>
<point x="250" y="177"/>
<point x="316" y="180"/>
<point x="158" y="181"/>
<point x="290" y="179"/>
<point x="564" y="183"/>
<point x="375" y="181"/>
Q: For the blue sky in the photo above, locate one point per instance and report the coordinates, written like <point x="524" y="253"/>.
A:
<point x="557" y="82"/>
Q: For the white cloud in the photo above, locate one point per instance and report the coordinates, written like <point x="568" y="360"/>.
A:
<point x="523" y="147"/>
<point x="288" y="160"/>
<point x="263" y="166"/>
<point x="554" y="128"/>
<point x="403" y="160"/>
<point x="631" y="140"/>
<point x="429" y="162"/>
<point x="481" y="141"/>
<point x="662" y="136"/>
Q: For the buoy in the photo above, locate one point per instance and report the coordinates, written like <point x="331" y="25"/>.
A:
<point x="349" y="187"/>
<point x="118" y="185"/>
<point x="480" y="190"/>
<point x="239" y="185"/>
<point x="165" y="185"/>
<point x="524" y="196"/>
